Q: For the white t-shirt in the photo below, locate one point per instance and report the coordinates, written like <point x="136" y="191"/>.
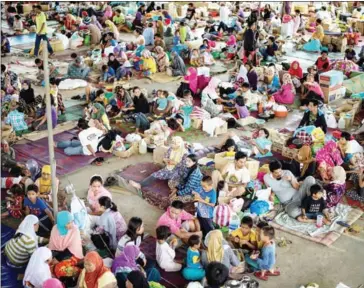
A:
<point x="242" y="175"/>
<point x="125" y="241"/>
<point x="224" y="14"/>
<point x="165" y="255"/>
<point x="140" y="40"/>
<point x="90" y="136"/>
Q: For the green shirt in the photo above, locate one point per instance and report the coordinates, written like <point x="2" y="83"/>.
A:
<point x="118" y="19"/>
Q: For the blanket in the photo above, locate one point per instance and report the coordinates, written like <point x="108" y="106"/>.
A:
<point x="163" y="78"/>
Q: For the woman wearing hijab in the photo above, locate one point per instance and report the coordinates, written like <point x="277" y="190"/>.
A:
<point x="113" y="62"/>
<point x="38" y="270"/>
<point x="95" y="31"/>
<point x="178" y="67"/>
<point x="162" y="59"/>
<point x="304" y="164"/>
<point x="27" y="98"/>
<point x="44" y="183"/>
<point x="287" y="93"/>
<point x="65" y="240"/>
<point x="317" y="37"/>
<point x="327" y="158"/>
<point x="99" y="114"/>
<point x="189" y="82"/>
<point x="96" y="274"/>
<point x="175" y="160"/>
<point x="126" y="261"/>
<point x="136" y="279"/>
<point x="335" y="189"/>
<point x="113" y="29"/>
<point x="149" y="65"/>
<point x="252" y="76"/>
<point x="218" y="250"/>
<point x="24" y="242"/>
<point x="296" y="73"/>
<point x="209" y="97"/>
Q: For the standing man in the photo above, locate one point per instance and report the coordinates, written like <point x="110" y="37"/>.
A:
<point x="41" y="23"/>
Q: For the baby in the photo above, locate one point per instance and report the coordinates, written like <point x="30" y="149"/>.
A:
<point x="195" y="60"/>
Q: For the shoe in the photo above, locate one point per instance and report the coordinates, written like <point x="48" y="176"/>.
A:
<point x="260" y="276"/>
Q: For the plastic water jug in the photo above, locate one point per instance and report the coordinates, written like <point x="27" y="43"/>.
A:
<point x="341" y="123"/>
<point x="142" y="147"/>
<point x="234" y="222"/>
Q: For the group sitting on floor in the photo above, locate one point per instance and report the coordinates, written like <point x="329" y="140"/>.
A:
<point x="90" y="244"/>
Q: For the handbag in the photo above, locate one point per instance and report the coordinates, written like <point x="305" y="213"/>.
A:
<point x="249" y="198"/>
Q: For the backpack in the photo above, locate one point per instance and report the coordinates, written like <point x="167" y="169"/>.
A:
<point x="222" y="215"/>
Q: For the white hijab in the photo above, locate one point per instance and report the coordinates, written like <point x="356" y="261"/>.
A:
<point x="243" y="72"/>
<point x="210" y="90"/>
<point x="38" y="270"/>
<point x="26" y="227"/>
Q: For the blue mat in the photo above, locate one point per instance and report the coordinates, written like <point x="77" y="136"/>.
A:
<point x="22" y="39"/>
<point x="9" y="276"/>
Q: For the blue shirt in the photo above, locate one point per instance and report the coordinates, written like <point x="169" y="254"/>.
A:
<point x="192" y="183"/>
<point x="149" y="36"/>
<point x="193" y="259"/>
<point x="204" y="210"/>
<point x="38" y="208"/>
<point x="268" y="257"/>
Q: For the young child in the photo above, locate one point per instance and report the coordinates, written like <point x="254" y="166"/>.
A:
<point x="165" y="252"/>
<point x="350" y="53"/>
<point x="206" y="57"/>
<point x="206" y="201"/>
<point x="248" y="96"/>
<point x="16" y="118"/>
<point x="108" y="74"/>
<point x="265" y="263"/>
<point x="162" y="100"/>
<point x="314" y="205"/>
<point x="344" y="146"/>
<point x="244" y="237"/>
<point x="195" y="60"/>
<point x="193" y="270"/>
<point x="258" y="230"/>
<point x="18" y="25"/>
<point x="241" y="109"/>
<point x="176" y="38"/>
<point x="36" y="206"/>
<point x="14" y="204"/>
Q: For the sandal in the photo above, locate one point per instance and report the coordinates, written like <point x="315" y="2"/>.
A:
<point x="275" y="273"/>
<point x="260" y="276"/>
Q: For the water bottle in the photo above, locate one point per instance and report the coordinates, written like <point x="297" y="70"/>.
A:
<point x="319" y="221"/>
<point x="234" y="222"/>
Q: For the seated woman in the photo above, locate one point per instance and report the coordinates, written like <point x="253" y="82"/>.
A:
<point x="313" y="116"/>
<point x="19" y="249"/>
<point x="357" y="191"/>
<point x="252" y="76"/>
<point x="95" y="273"/>
<point x="304" y="163"/>
<point x="111" y="222"/>
<point x="95" y="192"/>
<point x="218" y="250"/>
<point x="66" y="245"/>
<point x="209" y="97"/>
<point x="38" y="270"/>
<point x="162" y="59"/>
<point x="113" y="29"/>
<point x="287" y="93"/>
<point x="44" y="183"/>
<point x="163" y="104"/>
<point x="175" y="160"/>
<point x="8" y="157"/>
<point x="177" y="67"/>
<point x="296" y="74"/>
<point x="107" y="40"/>
<point x="327" y="158"/>
<point x="149" y="65"/>
<point x="78" y="70"/>
<point x="27" y="100"/>
<point x="261" y="146"/>
<point x="113" y="62"/>
<point x="314" y="44"/>
<point x="99" y="114"/>
<point x="129" y="261"/>
<point x="120" y="101"/>
<point x="336" y="187"/>
<point x="133" y="236"/>
<point x="107" y="74"/>
<point x="40" y="124"/>
<point x="312" y="91"/>
<point x="190" y="183"/>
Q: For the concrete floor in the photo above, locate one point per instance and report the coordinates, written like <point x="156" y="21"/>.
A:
<point x="300" y="263"/>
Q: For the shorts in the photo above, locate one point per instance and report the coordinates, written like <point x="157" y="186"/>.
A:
<point x="313" y="215"/>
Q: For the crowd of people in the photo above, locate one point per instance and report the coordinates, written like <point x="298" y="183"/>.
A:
<point x="72" y="249"/>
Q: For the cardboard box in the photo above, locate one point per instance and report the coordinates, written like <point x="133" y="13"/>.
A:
<point x="277" y="147"/>
<point x="196" y="123"/>
<point x="333" y="93"/>
<point x="253" y="167"/>
<point x="331" y="78"/>
<point x="220" y="160"/>
<point x="326" y="40"/>
<point x="289" y="153"/>
<point x="221" y="130"/>
<point x="340" y="43"/>
<point x="27" y="8"/>
<point x="45" y="7"/>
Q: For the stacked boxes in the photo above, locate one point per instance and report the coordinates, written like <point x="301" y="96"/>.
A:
<point x="331" y="83"/>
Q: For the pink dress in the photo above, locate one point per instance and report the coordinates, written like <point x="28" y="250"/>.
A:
<point x="284" y="95"/>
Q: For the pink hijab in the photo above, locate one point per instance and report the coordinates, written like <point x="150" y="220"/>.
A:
<point x="192" y="79"/>
<point x="52" y="283"/>
<point x="71" y="241"/>
<point x="108" y="12"/>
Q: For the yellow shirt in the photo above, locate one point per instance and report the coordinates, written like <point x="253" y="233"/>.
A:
<point x="40" y="19"/>
<point x="251" y="237"/>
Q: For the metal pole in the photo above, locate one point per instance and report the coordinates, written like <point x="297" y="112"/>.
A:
<point x="52" y="160"/>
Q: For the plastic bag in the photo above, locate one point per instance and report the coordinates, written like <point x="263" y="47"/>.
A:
<point x="236" y="204"/>
<point x="259" y="207"/>
<point x="142" y="147"/>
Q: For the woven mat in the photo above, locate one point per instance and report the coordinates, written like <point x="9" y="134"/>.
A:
<point x="163" y="78"/>
<point x="36" y="135"/>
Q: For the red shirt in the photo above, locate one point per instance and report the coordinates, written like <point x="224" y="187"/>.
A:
<point x="320" y="63"/>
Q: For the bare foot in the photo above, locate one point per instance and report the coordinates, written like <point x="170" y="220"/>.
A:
<point x="135" y="184"/>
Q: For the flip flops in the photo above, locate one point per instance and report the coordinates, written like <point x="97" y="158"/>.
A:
<point x="260" y="276"/>
<point x="275" y="273"/>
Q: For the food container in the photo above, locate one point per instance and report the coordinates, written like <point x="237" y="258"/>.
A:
<point x="280" y="114"/>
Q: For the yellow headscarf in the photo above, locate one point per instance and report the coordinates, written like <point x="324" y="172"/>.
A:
<point x="215" y="249"/>
<point x="45" y="185"/>
<point x="177" y="154"/>
<point x="46" y="169"/>
<point x="304" y="156"/>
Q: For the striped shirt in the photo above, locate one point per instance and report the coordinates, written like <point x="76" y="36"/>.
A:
<point x="18" y="250"/>
<point x="193" y="183"/>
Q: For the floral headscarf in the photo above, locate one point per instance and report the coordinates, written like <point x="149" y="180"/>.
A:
<point x="100" y="111"/>
<point x="286" y="79"/>
<point x="329" y="154"/>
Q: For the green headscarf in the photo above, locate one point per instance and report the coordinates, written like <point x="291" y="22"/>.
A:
<point x="100" y="111"/>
